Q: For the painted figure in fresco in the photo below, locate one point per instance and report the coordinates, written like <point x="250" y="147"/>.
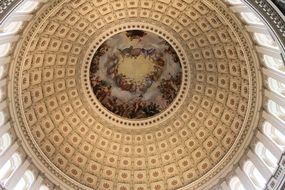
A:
<point x="135" y="34"/>
<point x="126" y="52"/>
<point x="148" y="52"/>
<point x="147" y="97"/>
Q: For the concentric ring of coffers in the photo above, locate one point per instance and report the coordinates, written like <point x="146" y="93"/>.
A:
<point x="191" y="148"/>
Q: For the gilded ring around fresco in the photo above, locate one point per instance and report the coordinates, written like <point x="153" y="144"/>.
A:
<point x="135" y="74"/>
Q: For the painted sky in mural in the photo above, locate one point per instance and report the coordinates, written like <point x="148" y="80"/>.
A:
<point x="135" y="74"/>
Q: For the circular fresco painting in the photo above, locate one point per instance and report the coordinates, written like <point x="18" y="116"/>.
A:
<point x="135" y="74"/>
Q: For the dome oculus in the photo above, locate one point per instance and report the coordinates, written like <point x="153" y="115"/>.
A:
<point x="135" y="74"/>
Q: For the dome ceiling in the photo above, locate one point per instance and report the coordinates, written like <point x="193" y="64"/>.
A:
<point x="194" y="55"/>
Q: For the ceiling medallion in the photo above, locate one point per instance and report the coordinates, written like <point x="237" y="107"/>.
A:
<point x="135" y="74"/>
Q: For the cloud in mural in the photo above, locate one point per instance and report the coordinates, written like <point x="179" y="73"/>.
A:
<point x="135" y="74"/>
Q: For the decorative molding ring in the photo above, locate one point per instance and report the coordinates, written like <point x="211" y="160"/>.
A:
<point x="147" y="122"/>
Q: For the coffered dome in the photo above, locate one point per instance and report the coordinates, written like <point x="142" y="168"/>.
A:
<point x="188" y="144"/>
<point x="138" y="94"/>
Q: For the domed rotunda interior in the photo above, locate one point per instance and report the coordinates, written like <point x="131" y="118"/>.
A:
<point x="142" y="95"/>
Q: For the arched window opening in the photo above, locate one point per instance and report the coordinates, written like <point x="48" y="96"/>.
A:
<point x="26" y="181"/>
<point x="4" y="49"/>
<point x="3" y="70"/>
<point x="3" y="93"/>
<point x="11" y="28"/>
<point x="235" y="184"/>
<point x="5" y="142"/>
<point x="44" y="187"/>
<point x="251" y="18"/>
<point x="274" y="63"/>
<point x="276" y="109"/>
<point x="265" y="40"/>
<point x="276" y="86"/>
<point x="234" y="2"/>
<point x="254" y="175"/>
<point x="27" y="7"/>
<point x="10" y="167"/>
<point x="2" y="118"/>
<point x="274" y="134"/>
<point x="266" y="156"/>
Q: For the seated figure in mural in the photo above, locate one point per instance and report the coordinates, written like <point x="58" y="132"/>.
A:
<point x="135" y="34"/>
<point x="140" y="94"/>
